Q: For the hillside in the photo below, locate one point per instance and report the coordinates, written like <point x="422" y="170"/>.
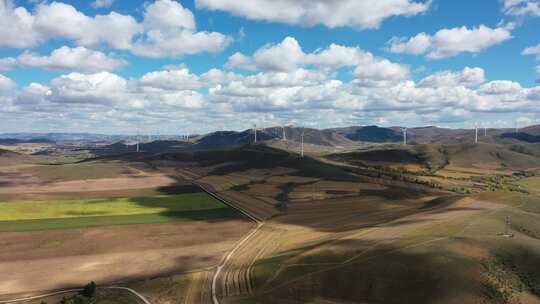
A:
<point x="369" y="134"/>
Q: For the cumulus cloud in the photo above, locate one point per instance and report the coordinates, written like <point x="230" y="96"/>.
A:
<point x="17" y="27"/>
<point x="6" y="84"/>
<point x="521" y="7"/>
<point x="469" y="77"/>
<point x="179" y="79"/>
<point x="66" y="58"/>
<point x="288" y="56"/>
<point x="103" y="87"/>
<point x="533" y="50"/>
<point x="499" y="87"/>
<point x="361" y="14"/>
<point x="451" y="42"/>
<point x="168" y="29"/>
<point x="305" y="89"/>
<point x="60" y="20"/>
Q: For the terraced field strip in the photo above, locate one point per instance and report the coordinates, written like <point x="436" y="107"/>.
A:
<point x="236" y="279"/>
<point x="198" y="290"/>
<point x="253" y="206"/>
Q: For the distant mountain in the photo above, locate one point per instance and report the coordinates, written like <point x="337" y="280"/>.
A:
<point x="229" y="139"/>
<point x="532" y="130"/>
<point x="521" y="136"/>
<point x="14" y="141"/>
<point x="530" y="134"/>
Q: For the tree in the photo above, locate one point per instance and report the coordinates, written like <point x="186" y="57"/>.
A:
<point x="89" y="290"/>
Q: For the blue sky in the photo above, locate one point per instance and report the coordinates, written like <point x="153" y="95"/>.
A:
<point x="98" y="66"/>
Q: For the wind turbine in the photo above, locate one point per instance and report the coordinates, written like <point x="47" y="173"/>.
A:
<point x="475" y="133"/>
<point x="138" y="139"/>
<point x="302" y="142"/>
<point x="255" y="132"/>
<point x="404" y="136"/>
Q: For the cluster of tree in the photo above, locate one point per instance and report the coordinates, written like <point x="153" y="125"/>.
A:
<point x="86" y="296"/>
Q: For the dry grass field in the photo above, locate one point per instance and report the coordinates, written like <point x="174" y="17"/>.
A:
<point x="331" y="230"/>
<point x="167" y="226"/>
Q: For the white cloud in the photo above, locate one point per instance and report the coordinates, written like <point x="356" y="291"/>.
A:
<point x="102" y="3"/>
<point x="16" y="26"/>
<point x="180" y="79"/>
<point x="498" y="87"/>
<point x="215" y="77"/>
<point x="533" y="50"/>
<point x="381" y="70"/>
<point x="521" y="7"/>
<point x="416" y="45"/>
<point x="7" y="63"/>
<point x="98" y="88"/>
<point x="451" y="42"/>
<point x="60" y="20"/>
<point x="380" y="91"/>
<point x="6" y="84"/>
<point x="239" y="60"/>
<point x="284" y="56"/>
<point x="337" y="56"/>
<point x="468" y="77"/>
<point x="288" y="56"/>
<point x="361" y="14"/>
<point x="168" y="29"/>
<point x="75" y="59"/>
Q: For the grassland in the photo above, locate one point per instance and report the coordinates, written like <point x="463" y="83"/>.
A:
<point x="531" y="183"/>
<point x="62" y="214"/>
<point x="79" y="171"/>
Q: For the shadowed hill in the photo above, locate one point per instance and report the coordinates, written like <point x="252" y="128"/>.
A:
<point x="370" y="134"/>
<point x="14" y="141"/>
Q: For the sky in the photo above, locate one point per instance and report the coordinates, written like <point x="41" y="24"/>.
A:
<point x="196" y="66"/>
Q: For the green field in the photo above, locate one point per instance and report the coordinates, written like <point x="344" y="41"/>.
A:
<point x="531" y="183"/>
<point x="61" y="214"/>
<point x="79" y="171"/>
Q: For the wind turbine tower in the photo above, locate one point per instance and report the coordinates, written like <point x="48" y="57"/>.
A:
<point x="284" y="136"/>
<point x="302" y="143"/>
<point x="255" y="132"/>
<point x="404" y="136"/>
<point x="475" y="134"/>
<point x="138" y="140"/>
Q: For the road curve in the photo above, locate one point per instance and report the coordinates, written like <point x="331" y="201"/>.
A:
<point x="40" y="296"/>
<point x="138" y="295"/>
<point x="224" y="261"/>
<point x="215" y="299"/>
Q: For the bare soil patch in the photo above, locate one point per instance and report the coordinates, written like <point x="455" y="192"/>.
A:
<point x="56" y="259"/>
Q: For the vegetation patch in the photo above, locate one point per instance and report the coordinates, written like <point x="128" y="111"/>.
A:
<point x="28" y="216"/>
